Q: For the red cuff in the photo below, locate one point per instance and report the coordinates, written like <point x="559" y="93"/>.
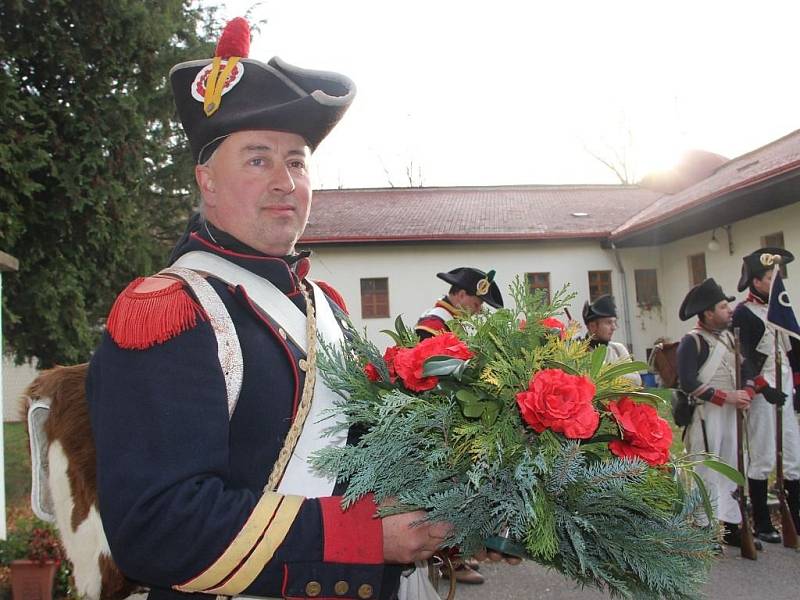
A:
<point x="797" y="378"/>
<point x="761" y="383"/>
<point x="719" y="397"/>
<point x="352" y="536"/>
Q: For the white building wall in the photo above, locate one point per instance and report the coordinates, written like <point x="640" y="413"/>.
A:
<point x="414" y="287"/>
<point x="672" y="261"/>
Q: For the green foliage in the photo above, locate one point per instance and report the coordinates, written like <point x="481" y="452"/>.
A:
<point x="95" y="174"/>
<point x="616" y="524"/>
<point x="31" y="539"/>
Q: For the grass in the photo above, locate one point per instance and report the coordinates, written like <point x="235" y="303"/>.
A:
<point x="17" y="465"/>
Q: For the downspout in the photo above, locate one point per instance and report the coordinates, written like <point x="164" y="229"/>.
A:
<point x="628" y="335"/>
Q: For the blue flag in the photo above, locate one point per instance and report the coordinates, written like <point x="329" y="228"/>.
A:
<point x="780" y="313"/>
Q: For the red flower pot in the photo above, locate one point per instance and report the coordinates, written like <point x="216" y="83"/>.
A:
<point x="32" y="580"/>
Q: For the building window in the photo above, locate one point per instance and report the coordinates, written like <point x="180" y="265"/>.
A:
<point x="697" y="269"/>
<point x="539" y="281"/>
<point x="599" y="284"/>
<point x="646" y="288"/>
<point x="776" y="241"/>
<point x="375" y="298"/>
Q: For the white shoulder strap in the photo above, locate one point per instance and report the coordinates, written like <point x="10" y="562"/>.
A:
<point x="229" y="350"/>
<point x="714" y="360"/>
<point x="262" y="292"/>
<point x="299" y="478"/>
<point x="438" y="311"/>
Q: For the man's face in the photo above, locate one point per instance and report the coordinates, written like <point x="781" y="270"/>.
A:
<point x="762" y="285"/>
<point x="256" y="187"/>
<point x="720" y="316"/>
<point x="466" y="302"/>
<point x="602" y="329"/>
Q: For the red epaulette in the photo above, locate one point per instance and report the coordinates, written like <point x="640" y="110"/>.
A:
<point x="150" y="311"/>
<point x="431" y="324"/>
<point x="333" y="294"/>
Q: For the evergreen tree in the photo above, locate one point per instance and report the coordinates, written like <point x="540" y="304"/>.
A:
<point x="95" y="173"/>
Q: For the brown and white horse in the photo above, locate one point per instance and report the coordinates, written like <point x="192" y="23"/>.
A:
<point x="70" y="460"/>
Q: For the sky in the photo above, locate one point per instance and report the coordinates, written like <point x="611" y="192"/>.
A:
<point x="525" y="92"/>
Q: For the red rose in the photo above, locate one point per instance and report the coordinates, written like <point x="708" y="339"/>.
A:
<point x="371" y="372"/>
<point x="553" y="323"/>
<point x="561" y="402"/>
<point x="644" y="434"/>
<point x="389" y="356"/>
<point x="410" y="362"/>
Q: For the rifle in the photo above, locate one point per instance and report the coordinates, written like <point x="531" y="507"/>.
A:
<point x="787" y="523"/>
<point x="748" y="545"/>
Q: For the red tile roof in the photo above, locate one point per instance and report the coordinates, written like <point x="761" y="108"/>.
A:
<point x="774" y="159"/>
<point x="531" y="212"/>
<point x="470" y="213"/>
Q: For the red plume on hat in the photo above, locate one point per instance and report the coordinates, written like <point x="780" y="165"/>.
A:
<point x="235" y="39"/>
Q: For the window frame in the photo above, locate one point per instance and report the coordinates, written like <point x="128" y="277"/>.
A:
<point x="372" y="305"/>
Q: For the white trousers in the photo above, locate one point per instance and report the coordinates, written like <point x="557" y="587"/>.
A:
<point x="761" y="431"/>
<point x="720" y="426"/>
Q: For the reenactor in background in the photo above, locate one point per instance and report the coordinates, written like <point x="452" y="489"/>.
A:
<point x="600" y="318"/>
<point x="707" y="374"/>
<point x="469" y="289"/>
<point x="758" y="350"/>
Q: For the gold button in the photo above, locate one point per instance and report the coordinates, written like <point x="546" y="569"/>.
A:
<point x="341" y="588"/>
<point x="365" y="591"/>
<point x="281" y="332"/>
<point x="303" y="364"/>
<point x="313" y="588"/>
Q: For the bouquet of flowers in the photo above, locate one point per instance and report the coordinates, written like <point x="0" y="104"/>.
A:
<point x="516" y="433"/>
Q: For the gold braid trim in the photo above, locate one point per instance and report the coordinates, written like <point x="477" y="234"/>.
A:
<point x="283" y="509"/>
<point x="285" y="455"/>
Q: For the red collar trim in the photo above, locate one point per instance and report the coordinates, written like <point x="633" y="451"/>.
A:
<point x="751" y="297"/>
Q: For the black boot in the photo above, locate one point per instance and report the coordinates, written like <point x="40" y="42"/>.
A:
<point x="732" y="536"/>
<point x="792" y="488"/>
<point x="761" y="519"/>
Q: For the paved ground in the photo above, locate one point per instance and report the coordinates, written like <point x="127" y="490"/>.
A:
<point x="774" y="576"/>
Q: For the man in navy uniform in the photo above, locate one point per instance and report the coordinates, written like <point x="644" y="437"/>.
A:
<point x="758" y="349"/>
<point x="469" y="289"/>
<point x="707" y="373"/>
<point x="201" y="480"/>
<point x="600" y="318"/>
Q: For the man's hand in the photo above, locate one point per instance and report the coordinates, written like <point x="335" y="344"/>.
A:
<point x="739" y="398"/>
<point x="773" y="396"/>
<point x="406" y="543"/>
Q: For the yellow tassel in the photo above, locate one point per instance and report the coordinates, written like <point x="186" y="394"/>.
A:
<point x="215" y="84"/>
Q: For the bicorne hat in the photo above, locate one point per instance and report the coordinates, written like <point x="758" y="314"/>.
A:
<point x="759" y="262"/>
<point x="702" y="297"/>
<point x="476" y="283"/>
<point x="219" y="96"/>
<point x="603" y="307"/>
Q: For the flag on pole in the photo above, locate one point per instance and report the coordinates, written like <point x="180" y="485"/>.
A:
<point x="780" y="313"/>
